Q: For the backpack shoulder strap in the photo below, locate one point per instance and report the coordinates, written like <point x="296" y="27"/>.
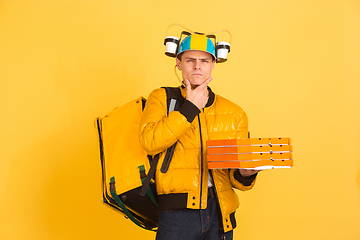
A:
<point x="174" y="100"/>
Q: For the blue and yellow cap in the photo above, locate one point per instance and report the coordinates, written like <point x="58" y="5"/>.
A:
<point x="197" y="42"/>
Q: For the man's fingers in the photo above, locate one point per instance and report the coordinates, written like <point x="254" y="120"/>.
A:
<point x="187" y="84"/>
<point x="248" y="172"/>
<point x="206" y="82"/>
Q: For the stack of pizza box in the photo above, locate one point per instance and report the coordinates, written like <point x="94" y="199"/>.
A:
<point x="250" y="153"/>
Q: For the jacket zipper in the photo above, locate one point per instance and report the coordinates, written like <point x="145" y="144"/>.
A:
<point x="202" y="162"/>
<point x="202" y="172"/>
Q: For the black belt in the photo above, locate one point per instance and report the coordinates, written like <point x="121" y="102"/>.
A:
<point x="211" y="192"/>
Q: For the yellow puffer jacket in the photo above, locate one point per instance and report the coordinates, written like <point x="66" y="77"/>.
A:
<point x="184" y="182"/>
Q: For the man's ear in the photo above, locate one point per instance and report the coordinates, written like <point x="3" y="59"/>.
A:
<point x="178" y="63"/>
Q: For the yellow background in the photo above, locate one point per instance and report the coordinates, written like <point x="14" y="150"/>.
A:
<point x="293" y="67"/>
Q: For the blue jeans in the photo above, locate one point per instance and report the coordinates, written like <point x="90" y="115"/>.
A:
<point x="193" y="224"/>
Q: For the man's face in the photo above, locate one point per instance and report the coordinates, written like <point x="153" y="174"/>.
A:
<point x="196" y="66"/>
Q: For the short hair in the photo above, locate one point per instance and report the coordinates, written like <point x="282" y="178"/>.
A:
<point x="179" y="56"/>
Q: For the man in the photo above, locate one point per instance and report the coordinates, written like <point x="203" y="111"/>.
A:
<point x="195" y="202"/>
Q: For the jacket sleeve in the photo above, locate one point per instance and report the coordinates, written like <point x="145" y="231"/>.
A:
<point x="158" y="131"/>
<point x="241" y="125"/>
<point x="237" y="180"/>
<point x="240" y="182"/>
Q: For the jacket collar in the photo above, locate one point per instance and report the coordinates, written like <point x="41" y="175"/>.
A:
<point x="211" y="98"/>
